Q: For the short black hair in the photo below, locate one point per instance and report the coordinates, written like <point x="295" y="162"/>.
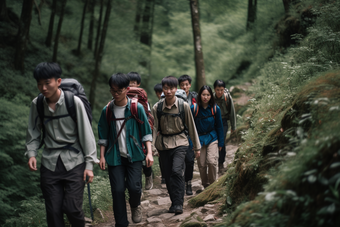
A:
<point x="171" y="81"/>
<point x="120" y="80"/>
<point x="184" y="78"/>
<point x="211" y="101"/>
<point x="158" y="88"/>
<point x="47" y="70"/>
<point x="219" y="83"/>
<point x="134" y="76"/>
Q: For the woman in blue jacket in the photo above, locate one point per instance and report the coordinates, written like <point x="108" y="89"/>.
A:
<point x="208" y="121"/>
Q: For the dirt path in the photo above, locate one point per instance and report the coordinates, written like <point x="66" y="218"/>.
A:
<point x="156" y="202"/>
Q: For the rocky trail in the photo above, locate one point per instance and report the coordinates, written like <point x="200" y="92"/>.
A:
<point x="156" y="202"/>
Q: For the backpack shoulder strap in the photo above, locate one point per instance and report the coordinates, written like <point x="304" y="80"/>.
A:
<point x="196" y="108"/>
<point x="40" y="107"/>
<point x="213" y="110"/>
<point x="70" y="106"/>
<point x="181" y="111"/>
<point x="159" y="113"/>
<point x="40" y="110"/>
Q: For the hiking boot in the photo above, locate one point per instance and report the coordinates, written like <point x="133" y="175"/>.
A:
<point x="178" y="209"/>
<point x="163" y="180"/>
<point x="171" y="209"/>
<point x="136" y="214"/>
<point x="148" y="182"/>
<point x="188" y="190"/>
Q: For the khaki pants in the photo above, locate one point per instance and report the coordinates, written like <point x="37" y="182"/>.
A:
<point x="208" y="163"/>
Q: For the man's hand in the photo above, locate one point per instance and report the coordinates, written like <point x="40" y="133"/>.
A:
<point x="197" y="154"/>
<point x="32" y="164"/>
<point x="102" y="163"/>
<point x="149" y="159"/>
<point x="219" y="148"/>
<point x="88" y="173"/>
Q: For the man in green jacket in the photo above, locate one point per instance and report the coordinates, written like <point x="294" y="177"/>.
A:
<point x="120" y="138"/>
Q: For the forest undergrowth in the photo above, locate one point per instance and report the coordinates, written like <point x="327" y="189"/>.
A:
<point x="287" y="170"/>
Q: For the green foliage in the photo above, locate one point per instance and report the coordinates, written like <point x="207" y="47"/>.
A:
<point x="16" y="181"/>
<point x="31" y="213"/>
<point x="100" y="195"/>
<point x="282" y="173"/>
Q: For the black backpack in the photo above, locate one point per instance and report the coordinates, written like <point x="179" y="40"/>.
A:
<point x="71" y="88"/>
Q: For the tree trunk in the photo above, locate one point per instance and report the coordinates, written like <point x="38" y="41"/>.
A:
<point x="90" y="39"/>
<point x="146" y="38"/>
<point x="82" y="27"/>
<point x="48" y="41"/>
<point x="99" y="56"/>
<point x="139" y="10"/>
<point x="98" y="28"/>
<point x="288" y="3"/>
<point x="199" y="62"/>
<point x="252" y="6"/>
<point x="56" y="40"/>
<point x="22" y="36"/>
<point x="3" y="11"/>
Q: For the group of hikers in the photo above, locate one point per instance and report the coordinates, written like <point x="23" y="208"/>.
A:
<point x="180" y="127"/>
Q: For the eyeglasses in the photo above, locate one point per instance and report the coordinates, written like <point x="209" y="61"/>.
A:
<point x="116" y="92"/>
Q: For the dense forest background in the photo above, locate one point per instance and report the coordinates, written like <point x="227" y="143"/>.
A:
<point x="279" y="46"/>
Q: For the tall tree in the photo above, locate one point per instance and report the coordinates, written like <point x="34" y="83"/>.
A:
<point x="199" y="62"/>
<point x="3" y="11"/>
<point x="99" y="55"/>
<point x="90" y="38"/>
<point x="48" y="40"/>
<point x="98" y="28"/>
<point x="22" y="36"/>
<point x="252" y="7"/>
<point x="82" y="27"/>
<point x="139" y="11"/>
<point x="56" y="40"/>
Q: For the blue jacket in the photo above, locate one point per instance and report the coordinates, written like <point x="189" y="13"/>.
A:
<point x="133" y="141"/>
<point x="211" y="127"/>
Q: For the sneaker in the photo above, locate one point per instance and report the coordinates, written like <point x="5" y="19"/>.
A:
<point x="178" y="209"/>
<point x="163" y="180"/>
<point x="148" y="182"/>
<point x="136" y="214"/>
<point x="188" y="190"/>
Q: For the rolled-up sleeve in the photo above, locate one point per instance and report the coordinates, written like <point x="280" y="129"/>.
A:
<point x="85" y="134"/>
<point x="33" y="131"/>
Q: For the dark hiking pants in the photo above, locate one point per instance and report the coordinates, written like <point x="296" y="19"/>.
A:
<point x="189" y="164"/>
<point x="63" y="193"/>
<point x="222" y="152"/>
<point x="127" y="175"/>
<point x="173" y="162"/>
<point x="147" y="171"/>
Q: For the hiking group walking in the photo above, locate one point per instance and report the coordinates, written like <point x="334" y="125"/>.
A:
<point x="180" y="127"/>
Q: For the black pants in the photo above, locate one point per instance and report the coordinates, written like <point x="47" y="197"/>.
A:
<point x="222" y="153"/>
<point x="161" y="167"/>
<point x="127" y="175"/>
<point x="147" y="171"/>
<point x="173" y="166"/>
<point x="189" y="164"/>
<point x="63" y="193"/>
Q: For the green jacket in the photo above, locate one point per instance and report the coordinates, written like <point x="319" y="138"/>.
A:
<point x="133" y="141"/>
